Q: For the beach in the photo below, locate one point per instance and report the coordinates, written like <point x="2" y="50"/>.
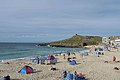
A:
<point x="59" y="40"/>
<point x="93" y="67"/>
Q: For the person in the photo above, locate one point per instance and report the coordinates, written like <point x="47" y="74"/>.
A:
<point x="75" y="73"/>
<point x="7" y="77"/>
<point x="74" y="57"/>
<point x="64" y="56"/>
<point x="97" y="54"/>
<point x="78" y="76"/>
<point x="52" y="68"/>
<point x="114" y="58"/>
<point x="65" y="74"/>
<point x="68" y="59"/>
<point x="38" y="60"/>
<point x="68" y="53"/>
<point x="102" y="53"/>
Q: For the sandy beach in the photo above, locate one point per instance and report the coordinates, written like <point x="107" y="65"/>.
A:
<point x="59" y="40"/>
<point x="93" y="67"/>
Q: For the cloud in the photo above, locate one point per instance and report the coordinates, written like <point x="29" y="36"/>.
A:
<point x="60" y="16"/>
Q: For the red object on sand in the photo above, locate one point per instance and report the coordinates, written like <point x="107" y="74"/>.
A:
<point x="51" y="56"/>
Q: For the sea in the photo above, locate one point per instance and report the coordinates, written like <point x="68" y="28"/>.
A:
<point x="29" y="50"/>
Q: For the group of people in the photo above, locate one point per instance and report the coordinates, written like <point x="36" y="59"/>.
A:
<point x="68" y="54"/>
<point x="67" y="75"/>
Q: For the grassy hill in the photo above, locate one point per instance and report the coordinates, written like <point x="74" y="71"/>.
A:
<point x="77" y="41"/>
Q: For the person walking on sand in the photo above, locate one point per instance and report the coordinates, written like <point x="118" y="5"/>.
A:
<point x="38" y="60"/>
<point x="64" y="56"/>
<point x="68" y="53"/>
<point x="74" y="56"/>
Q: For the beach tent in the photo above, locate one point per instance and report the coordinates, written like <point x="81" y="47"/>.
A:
<point x="42" y="60"/>
<point x="73" y="62"/>
<point x="26" y="70"/>
<point x="51" y="57"/>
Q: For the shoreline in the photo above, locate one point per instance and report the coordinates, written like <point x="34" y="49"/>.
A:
<point x="91" y="66"/>
<point x="40" y="55"/>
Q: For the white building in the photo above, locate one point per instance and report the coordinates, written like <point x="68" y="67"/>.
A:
<point x="117" y="42"/>
<point x="106" y="40"/>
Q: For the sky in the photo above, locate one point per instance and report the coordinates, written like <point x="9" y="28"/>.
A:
<point x="50" y="20"/>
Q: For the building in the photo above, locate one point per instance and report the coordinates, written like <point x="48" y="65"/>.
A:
<point x="117" y="42"/>
<point x="106" y="40"/>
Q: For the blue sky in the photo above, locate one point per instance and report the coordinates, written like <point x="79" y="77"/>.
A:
<point x="49" y="20"/>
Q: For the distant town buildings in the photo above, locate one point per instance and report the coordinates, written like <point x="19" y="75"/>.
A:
<point x="106" y="40"/>
<point x="117" y="42"/>
<point x="112" y="42"/>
